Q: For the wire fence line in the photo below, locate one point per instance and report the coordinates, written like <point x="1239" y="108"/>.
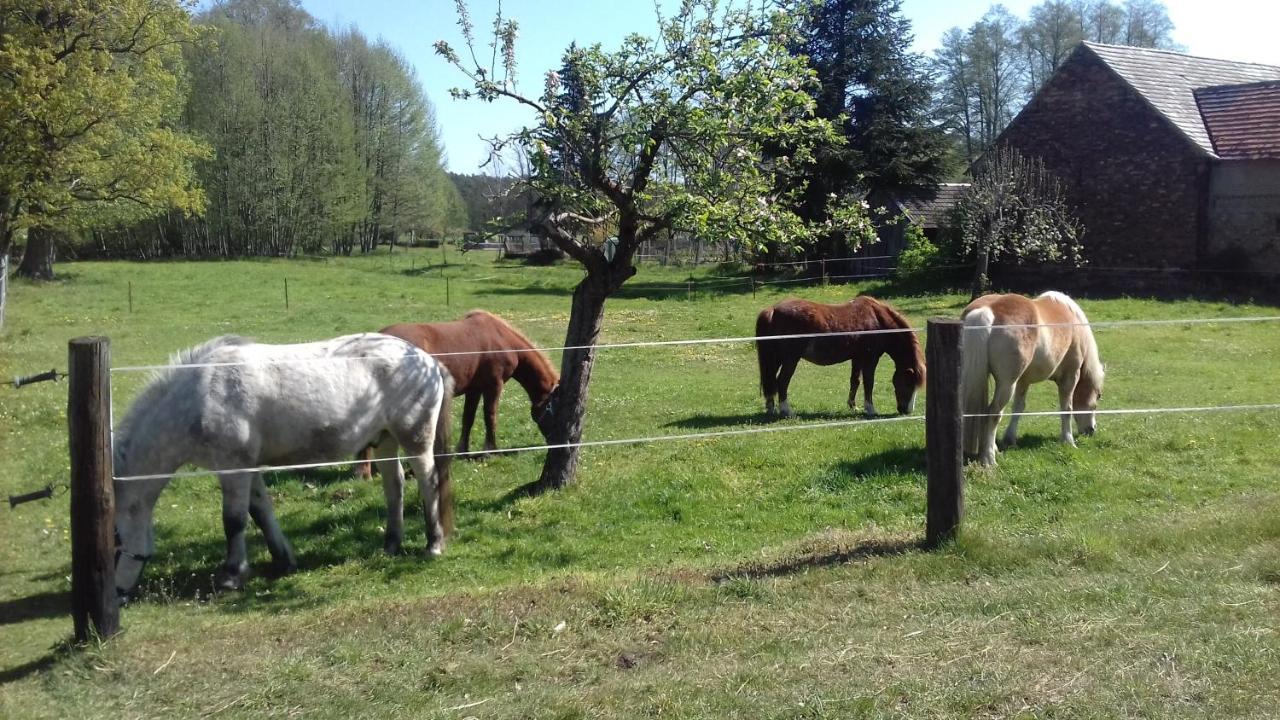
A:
<point x="555" y="446"/>
<point x="717" y="341"/>
<point x="599" y="346"/>
<point x="697" y="436"/>
<point x="1130" y="411"/>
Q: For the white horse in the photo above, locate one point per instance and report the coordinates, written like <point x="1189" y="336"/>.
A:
<point x="231" y="404"/>
<point x="1020" y="341"/>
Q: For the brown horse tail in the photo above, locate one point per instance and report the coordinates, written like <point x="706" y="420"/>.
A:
<point x="767" y="354"/>
<point x="444" y="454"/>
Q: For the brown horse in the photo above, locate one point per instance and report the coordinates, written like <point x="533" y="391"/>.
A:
<point x="778" y="358"/>
<point x="493" y="352"/>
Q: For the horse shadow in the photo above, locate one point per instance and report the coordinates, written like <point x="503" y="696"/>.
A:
<point x="190" y="564"/>
<point x="705" y="421"/>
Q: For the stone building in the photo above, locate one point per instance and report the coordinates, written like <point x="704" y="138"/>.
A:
<point x="1172" y="161"/>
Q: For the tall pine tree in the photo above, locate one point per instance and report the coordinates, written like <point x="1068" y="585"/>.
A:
<point x="878" y="90"/>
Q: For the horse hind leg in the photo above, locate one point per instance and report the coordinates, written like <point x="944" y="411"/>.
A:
<point x="784" y="384"/>
<point x="1000" y="398"/>
<point x="1010" y="437"/>
<point x="393" y="488"/>
<point x="424" y="467"/>
<point x="283" y="561"/>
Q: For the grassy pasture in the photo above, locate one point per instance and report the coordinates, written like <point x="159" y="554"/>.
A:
<point x="758" y="576"/>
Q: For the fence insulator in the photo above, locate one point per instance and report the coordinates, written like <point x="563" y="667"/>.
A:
<point x="33" y="379"/>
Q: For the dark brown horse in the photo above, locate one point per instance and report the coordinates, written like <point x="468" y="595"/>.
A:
<point x="778" y="358"/>
<point x="492" y="352"/>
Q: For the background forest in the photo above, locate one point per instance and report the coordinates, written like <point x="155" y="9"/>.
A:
<point x="322" y="141"/>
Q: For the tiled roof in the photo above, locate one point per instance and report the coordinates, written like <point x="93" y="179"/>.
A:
<point x="1243" y="120"/>
<point x="1168" y="81"/>
<point x="929" y="208"/>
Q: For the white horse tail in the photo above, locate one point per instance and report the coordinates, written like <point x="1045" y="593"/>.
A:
<point x="974" y="372"/>
<point x="444" y="453"/>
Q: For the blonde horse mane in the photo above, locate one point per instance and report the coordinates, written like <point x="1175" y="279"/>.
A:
<point x="1092" y="371"/>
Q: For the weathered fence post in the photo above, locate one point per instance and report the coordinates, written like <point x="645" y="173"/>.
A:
<point x="286" y="293"/>
<point x="942" y="431"/>
<point x="824" y="272"/>
<point x="130" y="297"/>
<point x="94" y="607"/>
<point x="446" y="291"/>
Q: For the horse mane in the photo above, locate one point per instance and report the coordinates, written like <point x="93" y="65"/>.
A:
<point x="891" y="318"/>
<point x="160" y="382"/>
<point x="1092" y="367"/>
<point x="542" y="364"/>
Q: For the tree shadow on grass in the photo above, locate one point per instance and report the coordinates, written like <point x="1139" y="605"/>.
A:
<point x="28" y="669"/>
<point x="826" y="558"/>
<point x="40" y="606"/>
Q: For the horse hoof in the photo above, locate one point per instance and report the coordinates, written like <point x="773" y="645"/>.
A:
<point x="435" y="550"/>
<point x="232" y="579"/>
<point x="284" y="567"/>
<point x="392" y="547"/>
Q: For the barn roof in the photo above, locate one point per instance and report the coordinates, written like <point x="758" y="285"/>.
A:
<point x="929" y="207"/>
<point x="1168" y="80"/>
<point x="1243" y="120"/>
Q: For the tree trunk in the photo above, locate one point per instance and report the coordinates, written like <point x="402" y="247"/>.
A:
<point x="37" y="261"/>
<point x="4" y="284"/>
<point x="980" y="280"/>
<point x="565" y="425"/>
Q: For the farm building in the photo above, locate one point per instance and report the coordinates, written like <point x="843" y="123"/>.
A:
<point x="1171" y="160"/>
<point x="927" y="208"/>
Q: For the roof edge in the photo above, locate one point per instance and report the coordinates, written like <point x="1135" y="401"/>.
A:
<point x="1092" y="44"/>
<point x="1089" y="46"/>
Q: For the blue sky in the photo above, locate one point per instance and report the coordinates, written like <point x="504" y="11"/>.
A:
<point x="1230" y="29"/>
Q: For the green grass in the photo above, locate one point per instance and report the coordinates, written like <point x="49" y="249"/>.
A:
<point x="771" y="575"/>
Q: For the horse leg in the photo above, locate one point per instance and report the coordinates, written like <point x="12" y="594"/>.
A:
<point x="784" y="383"/>
<point x="263" y="513"/>
<point x="868" y="384"/>
<point x="855" y="373"/>
<point x="491" y="398"/>
<point x="1066" y="392"/>
<point x="1000" y="398"/>
<point x="1019" y="405"/>
<point x="235" y="516"/>
<point x="424" y="466"/>
<point x="468" y="417"/>
<point x="393" y="488"/>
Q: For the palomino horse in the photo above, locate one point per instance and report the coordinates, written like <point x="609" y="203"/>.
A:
<point x="231" y="404"/>
<point x="1021" y="341"/>
<point x="490" y="352"/>
<point x="778" y="358"/>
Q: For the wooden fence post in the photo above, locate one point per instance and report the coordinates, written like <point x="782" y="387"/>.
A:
<point x="824" y="272"/>
<point x="94" y="606"/>
<point x="943" y="417"/>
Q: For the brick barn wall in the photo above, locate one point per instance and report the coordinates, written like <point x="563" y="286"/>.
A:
<point x="1138" y="184"/>
<point x="1244" y="213"/>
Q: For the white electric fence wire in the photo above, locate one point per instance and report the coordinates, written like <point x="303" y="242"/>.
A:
<point x="602" y="346"/>
<point x="728" y="340"/>
<point x="1130" y="411"/>
<point x="558" y="446"/>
